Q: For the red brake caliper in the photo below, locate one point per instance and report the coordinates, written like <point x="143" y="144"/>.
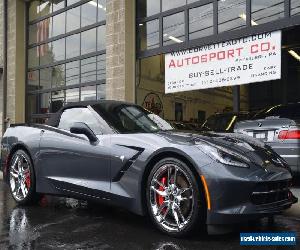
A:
<point x="27" y="179"/>
<point x="160" y="198"/>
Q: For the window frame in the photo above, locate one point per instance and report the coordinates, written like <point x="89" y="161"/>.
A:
<point x="32" y="116"/>
<point x="217" y="37"/>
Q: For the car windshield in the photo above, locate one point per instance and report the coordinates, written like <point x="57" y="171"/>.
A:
<point x="130" y="119"/>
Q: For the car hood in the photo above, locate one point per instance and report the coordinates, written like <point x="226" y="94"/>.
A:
<point x="257" y="151"/>
<point x="239" y="142"/>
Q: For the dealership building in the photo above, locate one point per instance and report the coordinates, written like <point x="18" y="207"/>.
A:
<point x="182" y="59"/>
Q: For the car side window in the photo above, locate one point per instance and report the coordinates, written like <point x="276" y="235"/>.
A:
<point x="72" y="115"/>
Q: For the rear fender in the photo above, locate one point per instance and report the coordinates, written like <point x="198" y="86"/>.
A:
<point x="7" y="153"/>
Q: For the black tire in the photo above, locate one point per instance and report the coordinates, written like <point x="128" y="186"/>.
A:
<point x="28" y="181"/>
<point x="197" y="215"/>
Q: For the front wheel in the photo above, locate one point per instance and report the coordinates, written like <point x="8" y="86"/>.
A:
<point x="22" y="178"/>
<point x="174" y="200"/>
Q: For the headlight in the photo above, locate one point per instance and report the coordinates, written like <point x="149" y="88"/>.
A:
<point x="224" y="155"/>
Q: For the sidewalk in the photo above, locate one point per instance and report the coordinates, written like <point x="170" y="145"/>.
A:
<point x="1" y="175"/>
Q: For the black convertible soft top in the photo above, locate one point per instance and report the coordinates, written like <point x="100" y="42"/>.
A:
<point x="105" y="105"/>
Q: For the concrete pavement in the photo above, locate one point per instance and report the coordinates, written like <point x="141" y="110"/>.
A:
<point x="67" y="224"/>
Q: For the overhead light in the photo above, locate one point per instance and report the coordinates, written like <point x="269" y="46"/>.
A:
<point x="141" y="24"/>
<point x="244" y="17"/>
<point x="173" y="38"/>
<point x="100" y="6"/>
<point x="93" y="3"/>
<point x="294" y="54"/>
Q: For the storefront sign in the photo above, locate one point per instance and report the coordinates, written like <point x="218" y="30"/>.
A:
<point x="252" y="59"/>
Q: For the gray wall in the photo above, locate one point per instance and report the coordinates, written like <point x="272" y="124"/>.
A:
<point x="1" y="63"/>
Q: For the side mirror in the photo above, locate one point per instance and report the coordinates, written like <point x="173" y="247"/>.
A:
<point x="83" y="129"/>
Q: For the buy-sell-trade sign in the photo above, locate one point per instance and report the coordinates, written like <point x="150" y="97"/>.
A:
<point x="255" y="58"/>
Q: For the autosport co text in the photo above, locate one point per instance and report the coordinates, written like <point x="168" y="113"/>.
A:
<point x="225" y="54"/>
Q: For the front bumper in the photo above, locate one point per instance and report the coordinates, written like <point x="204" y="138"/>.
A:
<point x="239" y="195"/>
<point x="248" y="212"/>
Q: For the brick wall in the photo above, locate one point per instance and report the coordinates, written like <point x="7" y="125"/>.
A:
<point x="120" y="50"/>
<point x="1" y="64"/>
<point x="15" y="61"/>
<point x="11" y="59"/>
<point x="115" y="49"/>
<point x="1" y="33"/>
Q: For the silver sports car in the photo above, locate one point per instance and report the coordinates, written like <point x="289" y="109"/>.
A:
<point x="279" y="127"/>
<point x="119" y="153"/>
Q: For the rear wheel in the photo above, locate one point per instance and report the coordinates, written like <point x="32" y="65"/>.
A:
<point x="22" y="178"/>
<point x="174" y="200"/>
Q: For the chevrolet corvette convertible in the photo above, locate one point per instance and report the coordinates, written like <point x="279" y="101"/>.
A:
<point x="121" y="154"/>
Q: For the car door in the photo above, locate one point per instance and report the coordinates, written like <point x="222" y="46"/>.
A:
<point x="71" y="163"/>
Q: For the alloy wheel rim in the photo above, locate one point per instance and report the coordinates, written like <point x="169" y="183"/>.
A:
<point x="20" y="177"/>
<point x="171" y="198"/>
